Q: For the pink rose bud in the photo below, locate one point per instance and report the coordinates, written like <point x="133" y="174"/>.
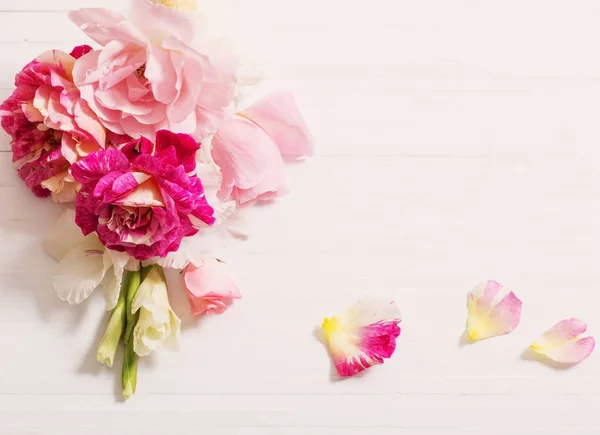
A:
<point x="209" y="287"/>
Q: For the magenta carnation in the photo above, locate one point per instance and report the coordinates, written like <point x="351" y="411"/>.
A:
<point x="141" y="198"/>
<point x="50" y="125"/>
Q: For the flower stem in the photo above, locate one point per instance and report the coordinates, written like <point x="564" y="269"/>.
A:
<point x="129" y="375"/>
<point x="114" y="330"/>
<point x="134" y="283"/>
<point x="129" y="379"/>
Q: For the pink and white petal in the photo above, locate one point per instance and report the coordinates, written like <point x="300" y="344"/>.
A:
<point x="80" y="272"/>
<point x="363" y="335"/>
<point x="493" y="310"/>
<point x="64" y="237"/>
<point x="279" y="116"/>
<point x="563" y="342"/>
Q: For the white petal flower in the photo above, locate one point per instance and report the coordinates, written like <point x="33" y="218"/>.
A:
<point x="157" y="326"/>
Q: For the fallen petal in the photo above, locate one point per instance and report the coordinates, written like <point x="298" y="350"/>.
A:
<point x="563" y="342"/>
<point x="363" y="335"/>
<point x="493" y="310"/>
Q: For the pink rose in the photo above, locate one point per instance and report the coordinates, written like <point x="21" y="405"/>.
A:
<point x="141" y="198"/>
<point x="250" y="148"/>
<point x="50" y="125"/>
<point x="209" y="287"/>
<point x="147" y="77"/>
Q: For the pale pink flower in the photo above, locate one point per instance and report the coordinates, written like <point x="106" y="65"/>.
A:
<point x="209" y="287"/>
<point x="148" y="77"/>
<point x="250" y="148"/>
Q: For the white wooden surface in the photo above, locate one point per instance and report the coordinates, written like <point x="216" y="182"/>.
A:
<point x="457" y="141"/>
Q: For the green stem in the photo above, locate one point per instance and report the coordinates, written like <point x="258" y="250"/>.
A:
<point x="114" y="330"/>
<point x="134" y="284"/>
<point x="130" y="359"/>
<point x="129" y="379"/>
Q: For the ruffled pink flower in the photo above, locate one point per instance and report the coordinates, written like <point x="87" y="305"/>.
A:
<point x="250" y="148"/>
<point x="147" y="77"/>
<point x="50" y="125"/>
<point x="209" y="287"/>
<point x="141" y="198"/>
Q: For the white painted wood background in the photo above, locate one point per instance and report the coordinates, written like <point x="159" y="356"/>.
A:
<point x="458" y="141"/>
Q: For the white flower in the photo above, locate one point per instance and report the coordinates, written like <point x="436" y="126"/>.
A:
<point x="84" y="263"/>
<point x="157" y="325"/>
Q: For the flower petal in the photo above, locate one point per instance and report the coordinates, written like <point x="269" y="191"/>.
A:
<point x="80" y="271"/>
<point x="114" y="266"/>
<point x="157" y="325"/>
<point x="250" y="162"/>
<point x="280" y="117"/>
<point x="563" y="343"/>
<point x="492" y="310"/>
<point x="363" y="335"/>
<point x="64" y="237"/>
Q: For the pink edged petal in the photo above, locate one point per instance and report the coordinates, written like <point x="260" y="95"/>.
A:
<point x="363" y="335"/>
<point x="88" y="123"/>
<point x="492" y="310"/>
<point x="563" y="342"/>
<point x="209" y="287"/>
<point x="280" y="117"/>
<point x="98" y="164"/>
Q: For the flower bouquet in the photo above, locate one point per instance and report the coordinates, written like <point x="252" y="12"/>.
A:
<point x="145" y="134"/>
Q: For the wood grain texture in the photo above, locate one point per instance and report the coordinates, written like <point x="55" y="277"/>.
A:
<point x="457" y="142"/>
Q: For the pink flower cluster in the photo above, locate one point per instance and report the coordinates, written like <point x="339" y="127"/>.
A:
<point x="116" y="130"/>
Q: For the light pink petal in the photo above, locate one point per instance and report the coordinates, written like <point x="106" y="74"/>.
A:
<point x="363" y="335"/>
<point x="563" y="343"/>
<point x="161" y="74"/>
<point x="104" y="26"/>
<point x="492" y="310"/>
<point x="251" y="164"/>
<point x="280" y="117"/>
<point x="209" y="287"/>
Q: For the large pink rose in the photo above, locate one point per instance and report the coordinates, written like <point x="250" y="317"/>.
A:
<point x="250" y="148"/>
<point x="50" y="125"/>
<point x="141" y="198"/>
<point x="148" y="77"/>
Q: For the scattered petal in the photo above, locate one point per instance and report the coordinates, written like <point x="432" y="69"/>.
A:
<point x="363" y="335"/>
<point x="493" y="310"/>
<point x="563" y="342"/>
